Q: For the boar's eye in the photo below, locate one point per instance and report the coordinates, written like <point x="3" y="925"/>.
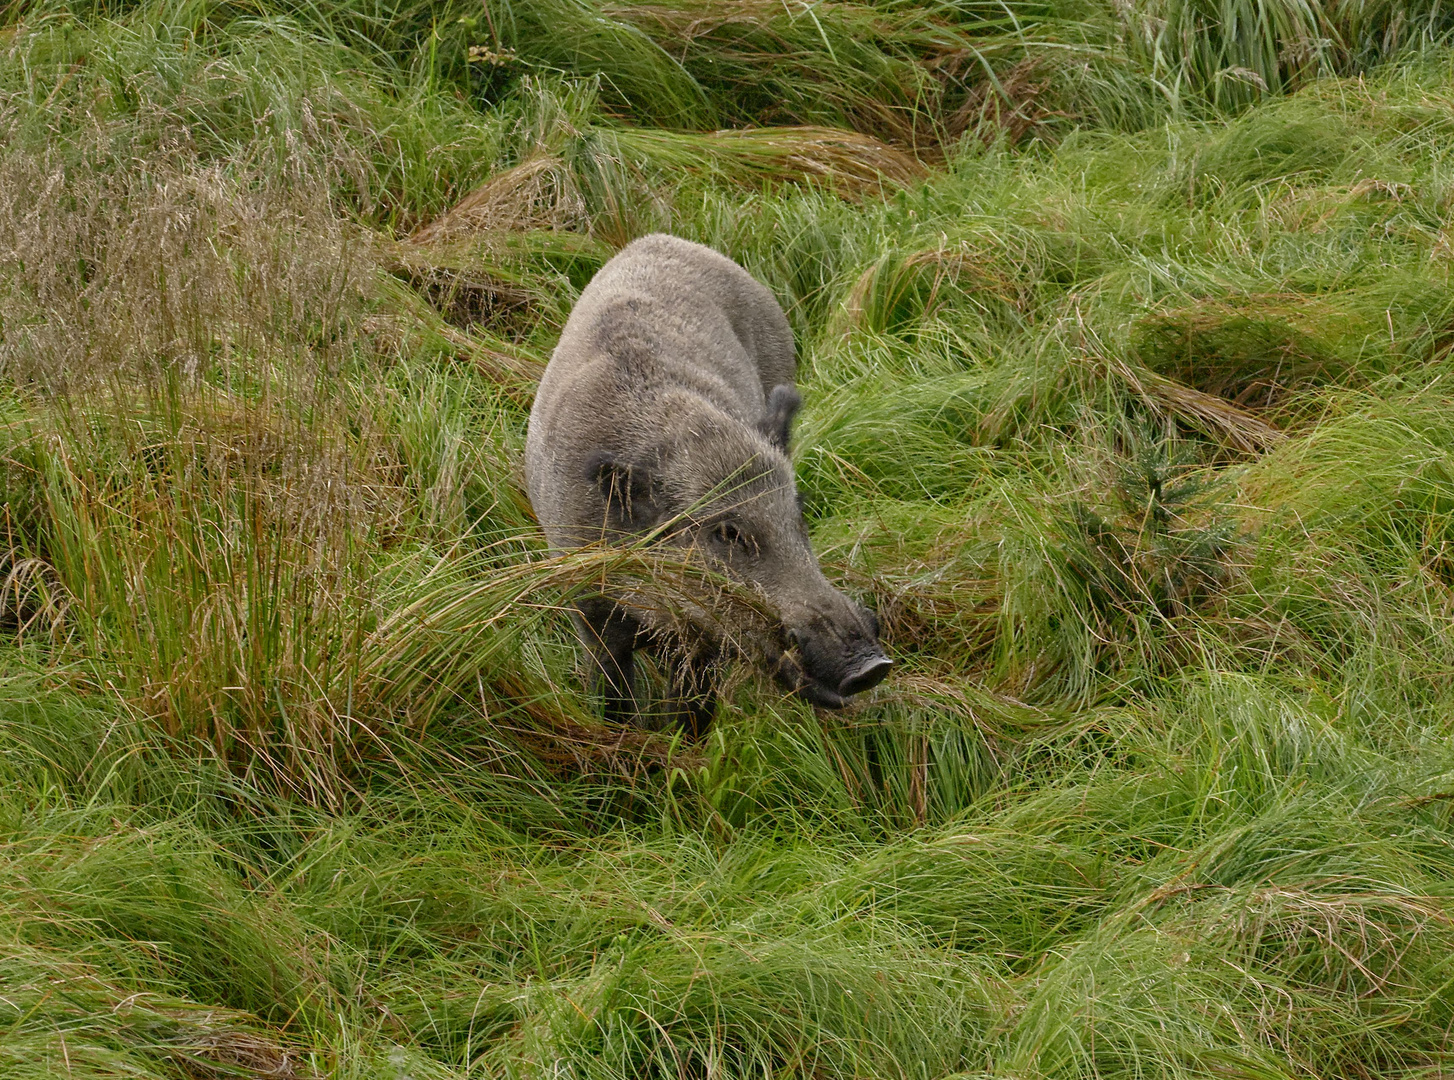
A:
<point x="730" y="535"/>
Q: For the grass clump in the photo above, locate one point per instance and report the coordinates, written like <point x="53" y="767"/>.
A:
<point x="1236" y="52"/>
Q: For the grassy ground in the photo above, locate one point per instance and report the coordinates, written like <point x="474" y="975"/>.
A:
<point x="1126" y="346"/>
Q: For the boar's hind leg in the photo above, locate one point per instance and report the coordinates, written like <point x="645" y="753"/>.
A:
<point x="694" y="692"/>
<point x="609" y="635"/>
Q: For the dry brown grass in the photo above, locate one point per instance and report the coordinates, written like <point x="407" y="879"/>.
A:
<point x="1020" y="102"/>
<point x="170" y="268"/>
<point x="1216" y="418"/>
<point x="538" y="193"/>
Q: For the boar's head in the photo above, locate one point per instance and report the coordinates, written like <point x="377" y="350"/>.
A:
<point x="723" y="491"/>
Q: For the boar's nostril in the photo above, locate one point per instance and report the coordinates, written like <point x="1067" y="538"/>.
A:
<point x="868" y="674"/>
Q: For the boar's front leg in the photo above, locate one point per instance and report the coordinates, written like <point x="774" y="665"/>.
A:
<point x="693" y="703"/>
<point x="609" y="635"/>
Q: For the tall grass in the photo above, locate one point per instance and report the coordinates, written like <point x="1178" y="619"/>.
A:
<point x="1124" y="336"/>
<point x="1234" y="52"/>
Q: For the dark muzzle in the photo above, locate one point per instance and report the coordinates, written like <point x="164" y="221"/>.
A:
<point x="865" y="676"/>
<point x="819" y="683"/>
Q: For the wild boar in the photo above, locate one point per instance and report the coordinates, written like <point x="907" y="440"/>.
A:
<point x="666" y="409"/>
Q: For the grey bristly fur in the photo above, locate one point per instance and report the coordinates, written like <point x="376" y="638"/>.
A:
<point x="668" y="402"/>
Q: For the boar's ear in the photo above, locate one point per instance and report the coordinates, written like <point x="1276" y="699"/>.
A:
<point x="782" y="406"/>
<point x="626" y="487"/>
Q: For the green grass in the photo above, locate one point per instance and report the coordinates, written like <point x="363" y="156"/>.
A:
<point x="1125" y="344"/>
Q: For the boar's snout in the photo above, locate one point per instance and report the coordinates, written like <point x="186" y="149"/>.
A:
<point x="866" y="675"/>
<point x="837" y="656"/>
